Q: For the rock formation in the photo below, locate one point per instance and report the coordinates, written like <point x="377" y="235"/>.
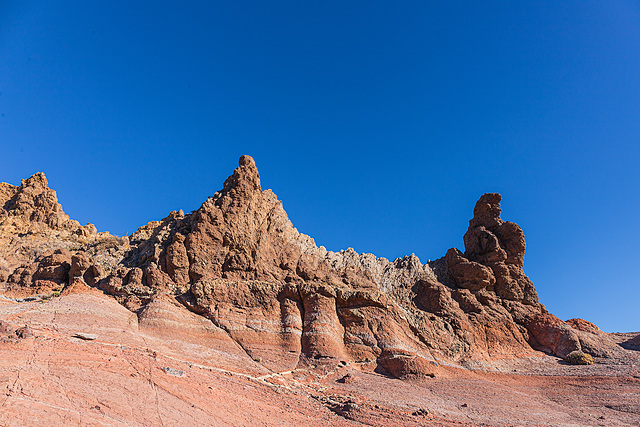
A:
<point x="38" y="241"/>
<point x="239" y="262"/>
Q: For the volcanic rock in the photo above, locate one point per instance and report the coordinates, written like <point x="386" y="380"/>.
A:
<point x="468" y="274"/>
<point x="267" y="292"/>
<point x="37" y="240"/>
<point x="85" y="336"/>
<point x="635" y="341"/>
<point x="584" y="326"/>
<point x="34" y="202"/>
<point x="548" y="333"/>
<point x="24" y="332"/>
<point x="500" y="246"/>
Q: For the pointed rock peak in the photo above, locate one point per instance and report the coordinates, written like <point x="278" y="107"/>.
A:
<point x="36" y="181"/>
<point x="246" y="161"/>
<point x="487" y="211"/>
<point x="34" y="201"/>
<point x="245" y="179"/>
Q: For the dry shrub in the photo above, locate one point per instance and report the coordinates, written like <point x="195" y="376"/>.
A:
<point x="579" y="358"/>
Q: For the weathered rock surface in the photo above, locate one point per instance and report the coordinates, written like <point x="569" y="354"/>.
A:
<point x="169" y="366"/>
<point x="37" y="241"/>
<point x="268" y="292"/>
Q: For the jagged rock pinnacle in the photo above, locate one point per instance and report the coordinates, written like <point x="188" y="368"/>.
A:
<point x="246" y="161"/>
<point x="37" y="180"/>
<point x="245" y="179"/>
<point x="487" y="211"/>
<point x="34" y="202"/>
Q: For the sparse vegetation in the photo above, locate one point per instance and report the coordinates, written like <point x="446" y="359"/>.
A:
<point x="579" y="358"/>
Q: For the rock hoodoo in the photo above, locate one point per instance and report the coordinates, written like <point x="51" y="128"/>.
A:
<point x="239" y="262"/>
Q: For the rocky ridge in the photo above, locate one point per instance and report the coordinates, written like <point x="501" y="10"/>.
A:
<point x="239" y="262"/>
<point x="38" y="240"/>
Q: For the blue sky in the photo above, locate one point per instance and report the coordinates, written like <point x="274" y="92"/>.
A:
<point x="378" y="124"/>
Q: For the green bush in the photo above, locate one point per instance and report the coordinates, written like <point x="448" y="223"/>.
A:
<point x="579" y="358"/>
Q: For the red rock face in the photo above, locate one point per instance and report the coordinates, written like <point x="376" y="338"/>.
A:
<point x="500" y="246"/>
<point x="584" y="325"/>
<point x="34" y="202"/>
<point x="238" y="262"/>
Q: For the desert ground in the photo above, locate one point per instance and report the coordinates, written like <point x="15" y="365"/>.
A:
<point x="170" y="367"/>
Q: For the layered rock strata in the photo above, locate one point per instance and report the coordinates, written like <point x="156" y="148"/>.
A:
<point x="239" y="262"/>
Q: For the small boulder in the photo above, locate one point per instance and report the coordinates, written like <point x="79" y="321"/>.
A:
<point x="346" y="379"/>
<point x="24" y="332"/>
<point x="85" y="336"/>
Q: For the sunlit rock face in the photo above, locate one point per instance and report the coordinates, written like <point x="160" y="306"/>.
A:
<point x="239" y="263"/>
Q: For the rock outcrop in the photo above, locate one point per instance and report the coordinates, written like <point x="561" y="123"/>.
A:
<point x="239" y="262"/>
<point x="33" y="203"/>
<point x="41" y="248"/>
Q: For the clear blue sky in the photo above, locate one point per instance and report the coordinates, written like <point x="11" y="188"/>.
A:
<point x="378" y="124"/>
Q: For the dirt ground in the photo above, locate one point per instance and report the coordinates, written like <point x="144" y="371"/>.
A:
<point x="132" y="374"/>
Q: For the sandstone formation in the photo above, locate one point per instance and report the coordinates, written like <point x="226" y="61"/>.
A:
<point x="267" y="291"/>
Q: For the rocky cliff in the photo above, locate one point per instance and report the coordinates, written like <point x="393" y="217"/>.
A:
<point x="239" y="262"/>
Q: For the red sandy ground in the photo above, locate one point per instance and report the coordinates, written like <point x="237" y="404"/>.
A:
<point x="183" y="372"/>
